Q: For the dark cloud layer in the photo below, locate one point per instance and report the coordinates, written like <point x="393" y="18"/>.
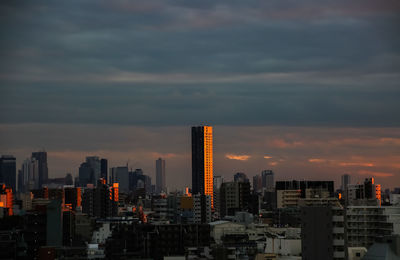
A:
<point x="183" y="62"/>
<point x="307" y="88"/>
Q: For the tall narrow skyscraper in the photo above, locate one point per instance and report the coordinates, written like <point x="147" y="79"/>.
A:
<point x="8" y="171"/>
<point x="268" y="180"/>
<point x="346" y="180"/>
<point x="202" y="161"/>
<point x="160" y="176"/>
<point x="41" y="157"/>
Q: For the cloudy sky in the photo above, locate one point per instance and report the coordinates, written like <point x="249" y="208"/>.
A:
<point x="307" y="88"/>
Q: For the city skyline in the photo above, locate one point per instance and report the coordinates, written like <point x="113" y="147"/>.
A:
<point x="229" y="163"/>
<point x="178" y="129"/>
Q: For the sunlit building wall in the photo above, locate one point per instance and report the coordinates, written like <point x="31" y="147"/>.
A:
<point x="202" y="161"/>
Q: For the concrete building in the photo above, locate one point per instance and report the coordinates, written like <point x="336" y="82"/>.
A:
<point x="202" y="208"/>
<point x="217" y="182"/>
<point x="360" y="194"/>
<point x="222" y="227"/>
<point x="101" y="201"/>
<point x="356" y="253"/>
<point x="365" y="224"/>
<point x="202" y="161"/>
<point x="160" y="207"/>
<point x="101" y="234"/>
<point x="322" y="230"/>
<point x="235" y="196"/>
<point x="304" y="185"/>
<point x="287" y="198"/>
<point x="161" y="185"/>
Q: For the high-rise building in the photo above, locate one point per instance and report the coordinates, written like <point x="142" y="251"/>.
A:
<point x="267" y="177"/>
<point x="90" y="171"/>
<point x="104" y="169"/>
<point x="202" y="161"/>
<point x="121" y="176"/>
<point x="85" y="174"/>
<point x="8" y="171"/>
<point x="160" y="176"/>
<point x="217" y="182"/>
<point x="43" y="173"/>
<point x="257" y="183"/>
<point x="345" y="181"/>
<point x="95" y="164"/>
<point x="240" y="177"/>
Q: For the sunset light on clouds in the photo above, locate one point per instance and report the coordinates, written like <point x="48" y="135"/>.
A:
<point x="309" y="89"/>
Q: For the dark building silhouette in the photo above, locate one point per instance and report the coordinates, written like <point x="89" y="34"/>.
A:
<point x="202" y="161"/>
<point x="69" y="180"/>
<point x="257" y="183"/>
<point x="240" y="177"/>
<point x="104" y="169"/>
<point x="8" y="171"/>
<point x="72" y="197"/>
<point x="267" y="177"/>
<point x="54" y="234"/>
<point x="43" y="174"/>
<point x="234" y="196"/>
<point x="102" y="201"/>
<point x="89" y="171"/>
<point x="160" y="176"/>
<point x="139" y="181"/>
<point x="86" y="174"/>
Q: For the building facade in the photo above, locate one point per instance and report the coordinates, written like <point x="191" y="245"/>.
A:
<point x="8" y="171"/>
<point x="202" y="161"/>
<point x="365" y="224"/>
<point x="43" y="172"/>
<point x="160" y="176"/>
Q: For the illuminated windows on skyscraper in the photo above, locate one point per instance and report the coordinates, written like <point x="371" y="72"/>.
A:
<point x="202" y="161"/>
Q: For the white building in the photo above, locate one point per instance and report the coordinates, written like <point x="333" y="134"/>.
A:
<point x="100" y="236"/>
<point x="365" y="223"/>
